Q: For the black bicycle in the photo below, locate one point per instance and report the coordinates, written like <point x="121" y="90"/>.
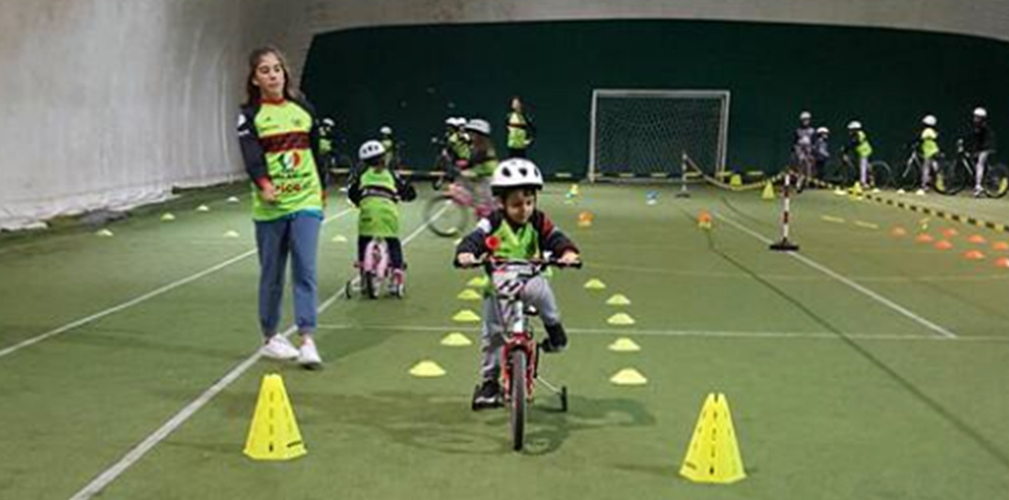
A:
<point x="959" y="173"/>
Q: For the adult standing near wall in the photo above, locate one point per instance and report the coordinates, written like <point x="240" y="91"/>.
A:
<point x="521" y="131"/>
<point x="279" y="139"/>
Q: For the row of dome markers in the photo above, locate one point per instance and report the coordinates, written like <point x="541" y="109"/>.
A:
<point x="170" y="217"/>
<point x="465" y="316"/>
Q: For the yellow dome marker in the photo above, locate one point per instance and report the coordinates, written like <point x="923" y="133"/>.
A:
<point x="231" y="234"/>
<point x="621" y="319"/>
<point x="595" y="284"/>
<point x="202" y="208"/>
<point x="624" y="344"/>
<point x="104" y="233"/>
<point x="618" y="300"/>
<point x="274" y="433"/>
<point x="339" y="239"/>
<point x="478" y="282"/>
<point x="456" y="339"/>
<point x="713" y="454"/>
<point x="167" y="217"/>
<point x="233" y="199"/>
<point x="466" y="316"/>
<point x="628" y="376"/>
<point x="469" y="294"/>
<point x="427" y="369"/>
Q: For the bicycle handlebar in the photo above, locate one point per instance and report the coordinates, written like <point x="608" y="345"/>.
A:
<point x="499" y="262"/>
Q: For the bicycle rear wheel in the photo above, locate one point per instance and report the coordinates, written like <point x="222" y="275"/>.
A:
<point x="518" y="398"/>
<point x="951" y="178"/>
<point x="445" y="217"/>
<point x="910" y="177"/>
<point x="880" y="175"/>
<point x="996" y="180"/>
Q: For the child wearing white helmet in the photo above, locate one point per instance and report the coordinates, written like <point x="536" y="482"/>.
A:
<point x="802" y="147"/>
<point x="377" y="191"/>
<point x="525" y="233"/>
<point x="858" y="142"/>
<point x="981" y="146"/>
<point x="821" y="149"/>
<point x="391" y="147"/>
<point x="928" y="148"/>
<point x="480" y="166"/>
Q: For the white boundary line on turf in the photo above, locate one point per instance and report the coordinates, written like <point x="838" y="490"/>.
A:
<point x="143" y="298"/>
<point x="937" y="329"/>
<point x="683" y="333"/>
<point x="137" y="452"/>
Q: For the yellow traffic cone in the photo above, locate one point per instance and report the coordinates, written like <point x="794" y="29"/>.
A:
<point x="713" y="455"/>
<point x="466" y="316"/>
<point x="768" y="193"/>
<point x="274" y="433"/>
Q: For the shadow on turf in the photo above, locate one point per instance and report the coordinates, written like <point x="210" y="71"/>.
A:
<point x="445" y="423"/>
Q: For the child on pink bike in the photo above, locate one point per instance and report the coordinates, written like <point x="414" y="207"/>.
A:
<point x="477" y="169"/>
<point x="377" y="191"/>
<point x="525" y="233"/>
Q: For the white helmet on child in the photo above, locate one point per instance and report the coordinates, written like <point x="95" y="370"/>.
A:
<point x="929" y="121"/>
<point x="385" y="130"/>
<point x="479" y="126"/>
<point x="823" y="131"/>
<point x="805" y="116"/>
<point x="516" y="173"/>
<point x="855" y="125"/>
<point x="328" y="122"/>
<point x="371" y="150"/>
<point x="980" y="113"/>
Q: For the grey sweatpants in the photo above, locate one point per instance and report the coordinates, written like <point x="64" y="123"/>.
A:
<point x="537" y="293"/>
<point x="982" y="162"/>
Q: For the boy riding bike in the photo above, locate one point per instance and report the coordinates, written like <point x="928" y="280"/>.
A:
<point x="524" y="233"/>
<point x="478" y="168"/>
<point x="981" y="145"/>
<point x="377" y="190"/>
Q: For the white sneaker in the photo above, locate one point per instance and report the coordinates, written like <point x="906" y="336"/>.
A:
<point x="309" y="355"/>
<point x="278" y="347"/>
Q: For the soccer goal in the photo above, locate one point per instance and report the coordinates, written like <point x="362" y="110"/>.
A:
<point x="644" y="133"/>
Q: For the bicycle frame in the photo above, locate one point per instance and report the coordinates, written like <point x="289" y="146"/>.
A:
<point x="509" y="285"/>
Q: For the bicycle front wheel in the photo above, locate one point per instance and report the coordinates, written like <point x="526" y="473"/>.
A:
<point x="518" y="398"/>
<point x="445" y="217"/>
<point x="951" y="178"/>
<point x="996" y="181"/>
<point x="880" y="175"/>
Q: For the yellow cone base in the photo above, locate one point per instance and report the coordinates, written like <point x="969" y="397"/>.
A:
<point x="628" y="376"/>
<point x="478" y="282"/>
<point x="104" y="233"/>
<point x="621" y="319"/>
<point x="231" y="234"/>
<point x="456" y="339"/>
<point x="469" y="294"/>
<point x="713" y="455"/>
<point x="595" y="284"/>
<point x="618" y="300"/>
<point x="167" y="217"/>
<point x="339" y="239"/>
<point x="466" y="316"/>
<point x="427" y="369"/>
<point x="233" y="199"/>
<point x="624" y="345"/>
<point x="202" y="208"/>
<point x="274" y="433"/>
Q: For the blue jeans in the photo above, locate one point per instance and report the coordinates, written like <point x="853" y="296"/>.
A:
<point x="298" y="237"/>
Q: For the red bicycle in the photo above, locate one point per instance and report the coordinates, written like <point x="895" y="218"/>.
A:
<point x="520" y="354"/>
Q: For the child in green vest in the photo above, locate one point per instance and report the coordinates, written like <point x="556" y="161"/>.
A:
<point x="524" y="233"/>
<point x="377" y="191"/>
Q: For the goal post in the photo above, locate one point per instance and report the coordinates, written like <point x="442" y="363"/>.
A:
<point x="644" y="133"/>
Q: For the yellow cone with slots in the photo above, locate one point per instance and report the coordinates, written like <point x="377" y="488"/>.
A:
<point x="469" y="294"/>
<point x="628" y="376"/>
<point x="595" y="284"/>
<point x="274" y="433"/>
<point x="624" y="344"/>
<point x="466" y="316"/>
<point x="618" y="300"/>
<point x="456" y="339"/>
<point x="427" y="369"/>
<point x="713" y="455"/>
<point x="478" y="282"/>
<point x="621" y="319"/>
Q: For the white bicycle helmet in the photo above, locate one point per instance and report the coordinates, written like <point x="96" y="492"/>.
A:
<point x="385" y="130"/>
<point x="805" y="116"/>
<point x="371" y="150"/>
<point x="855" y="125"/>
<point x="516" y="173"/>
<point x="929" y="121"/>
<point x="823" y="131"/>
<point x="328" y="122"/>
<point x="980" y="113"/>
<point x="479" y="126"/>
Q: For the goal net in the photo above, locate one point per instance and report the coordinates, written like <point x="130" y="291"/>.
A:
<point x="644" y="133"/>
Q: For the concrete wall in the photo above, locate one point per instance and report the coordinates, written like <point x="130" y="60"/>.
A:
<point x="112" y="102"/>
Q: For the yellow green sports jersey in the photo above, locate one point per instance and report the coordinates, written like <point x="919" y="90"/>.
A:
<point x="518" y="133"/>
<point x="277" y="143"/>
<point x="929" y="144"/>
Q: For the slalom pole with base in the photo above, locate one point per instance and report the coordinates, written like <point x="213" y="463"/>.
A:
<point x="683" y="177"/>
<point x="785" y="245"/>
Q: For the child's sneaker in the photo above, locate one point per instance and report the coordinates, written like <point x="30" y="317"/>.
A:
<point x="309" y="357"/>
<point x="556" y="341"/>
<point x="278" y="347"/>
<point x="488" y="395"/>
